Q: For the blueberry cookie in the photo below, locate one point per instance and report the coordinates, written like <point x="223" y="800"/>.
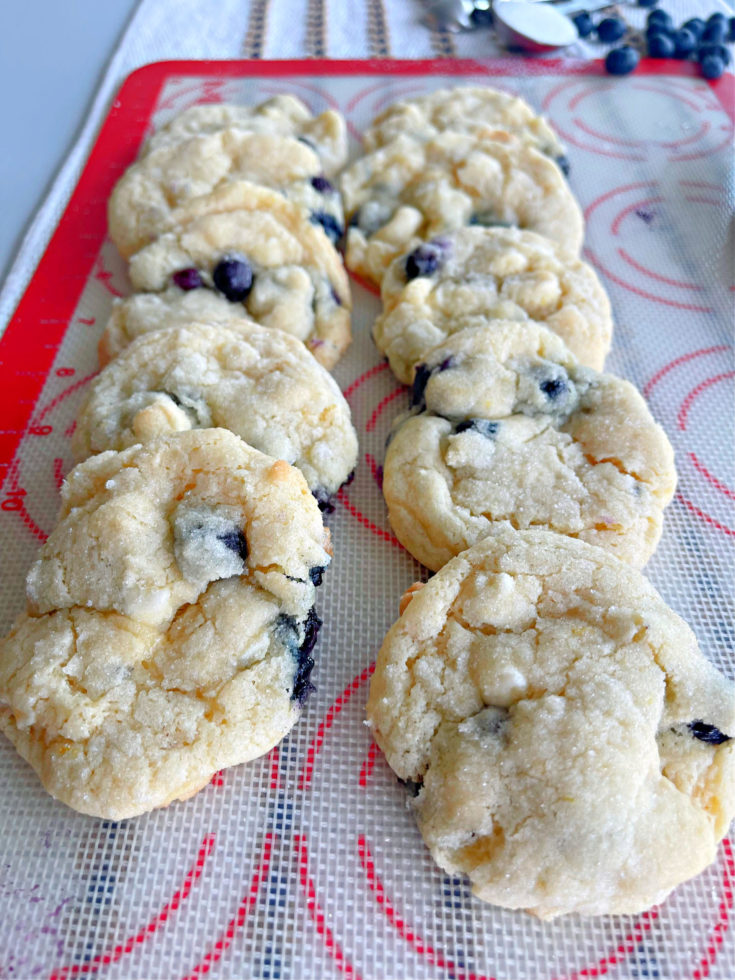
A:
<point x="469" y="109"/>
<point x="283" y="115"/>
<point x="571" y="748"/>
<point x="174" y="307"/>
<point x="478" y="274"/>
<point x="143" y="201"/>
<point x="254" y="247"/>
<point x="506" y="425"/>
<point x="261" y="384"/>
<point x="170" y="622"/>
<point x="411" y="190"/>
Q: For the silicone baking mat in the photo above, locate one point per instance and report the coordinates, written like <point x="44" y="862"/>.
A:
<point x="307" y="863"/>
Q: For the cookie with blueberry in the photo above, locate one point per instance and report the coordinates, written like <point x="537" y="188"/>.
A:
<point x="411" y="190"/>
<point x="473" y="109"/>
<point x="145" y="198"/>
<point x="170" y="622"/>
<point x="281" y="115"/>
<point x="260" y="383"/>
<point x="471" y="276"/>
<point x="571" y="749"/>
<point x="251" y="246"/>
<point x="507" y="426"/>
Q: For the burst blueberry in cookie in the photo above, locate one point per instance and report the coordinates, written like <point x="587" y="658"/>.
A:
<point x="506" y="426"/>
<point x="151" y="653"/>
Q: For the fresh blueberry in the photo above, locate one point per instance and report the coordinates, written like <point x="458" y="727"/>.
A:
<point x="484" y="426"/>
<point x="712" y="67"/>
<point x="316" y="575"/>
<point x="656" y="30"/>
<point x="330" y="225"/>
<point x="424" y="260"/>
<point x="187" y="279"/>
<point x="731" y="30"/>
<point x="326" y="506"/>
<point x="621" y="61"/>
<point x="647" y="3"/>
<point x="661" y="46"/>
<point x="420" y="381"/>
<point x="715" y="31"/>
<point x="233" y="276"/>
<point x="661" y="18"/>
<point x="717" y="18"/>
<point x="563" y="164"/>
<point x="610" y="29"/>
<point x="322" y="185"/>
<point x="684" y="43"/>
<point x="713" y="50"/>
<point x="584" y="24"/>
<point x="708" y="733"/>
<point x="481" y="15"/>
<point x="235" y="541"/>
<point x="696" y="25"/>
<point x="553" y="387"/>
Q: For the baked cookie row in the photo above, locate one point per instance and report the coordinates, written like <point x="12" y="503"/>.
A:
<point x="565" y="743"/>
<point x="171" y="618"/>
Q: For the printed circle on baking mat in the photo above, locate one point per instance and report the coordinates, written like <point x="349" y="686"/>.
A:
<point x="692" y="395"/>
<point x="388" y="871"/>
<point x="636" y="223"/>
<point x="678" y="117"/>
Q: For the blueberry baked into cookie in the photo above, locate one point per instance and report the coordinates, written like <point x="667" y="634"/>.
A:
<point x="411" y="190"/>
<point x="254" y="247"/>
<point x="260" y="383"/>
<point x="572" y="749"/>
<point x="468" y="277"/>
<point x="170" y="622"/>
<point x="506" y="425"/>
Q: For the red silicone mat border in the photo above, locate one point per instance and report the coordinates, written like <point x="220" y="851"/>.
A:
<point x="53" y="293"/>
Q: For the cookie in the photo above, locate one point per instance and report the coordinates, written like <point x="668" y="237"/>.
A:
<point x="255" y="247"/>
<point x="169" y="624"/>
<point x="506" y="425"/>
<point x="282" y="115"/>
<point x="572" y="749"/>
<point x="261" y="384"/>
<point x="143" y="201"/>
<point x="140" y="313"/>
<point x="411" y="190"/>
<point x="474" y="275"/>
<point x="471" y="109"/>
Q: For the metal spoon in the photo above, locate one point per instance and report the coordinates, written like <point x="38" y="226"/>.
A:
<point x="550" y="29"/>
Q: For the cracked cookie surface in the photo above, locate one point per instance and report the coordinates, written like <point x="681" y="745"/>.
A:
<point x="282" y="115"/>
<point x="169" y="623"/>
<point x="143" y="202"/>
<point x="471" y="109"/>
<point x="409" y="190"/>
<point x="260" y="383"/>
<point x="506" y="425"/>
<point x="474" y="275"/>
<point x="573" y="748"/>
<point x="252" y="246"/>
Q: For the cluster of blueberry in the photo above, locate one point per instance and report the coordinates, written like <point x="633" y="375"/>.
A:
<point x="704" y="41"/>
